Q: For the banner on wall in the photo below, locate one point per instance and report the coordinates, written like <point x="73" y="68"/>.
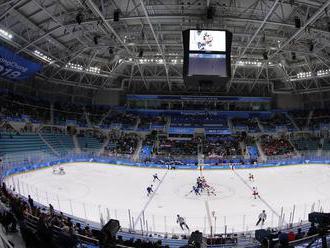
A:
<point x="14" y="67"/>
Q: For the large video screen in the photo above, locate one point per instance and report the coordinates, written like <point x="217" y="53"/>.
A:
<point x="207" y="40"/>
<point x="207" y="64"/>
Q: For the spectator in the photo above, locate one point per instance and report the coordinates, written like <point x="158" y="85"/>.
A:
<point x="291" y="236"/>
<point x="312" y="230"/>
<point x="300" y="234"/>
<point x="30" y="200"/>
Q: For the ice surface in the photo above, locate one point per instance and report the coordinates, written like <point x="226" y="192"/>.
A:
<point x="89" y="190"/>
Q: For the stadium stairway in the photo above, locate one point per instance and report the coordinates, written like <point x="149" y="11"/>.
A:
<point x="309" y="118"/>
<point x="292" y="121"/>
<point x="261" y="127"/>
<point x="136" y="154"/>
<point x="244" y="150"/>
<point x="76" y="143"/>
<point x="261" y="152"/>
<point x="104" y="117"/>
<point x="61" y="142"/>
<point x="294" y="147"/>
<point x="104" y="145"/>
<point x="230" y="124"/>
<point x="16" y="125"/>
<point x="138" y="120"/>
<point x="320" y="150"/>
<point x="51" y="147"/>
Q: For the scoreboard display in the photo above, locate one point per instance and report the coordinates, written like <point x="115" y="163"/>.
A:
<point x="207" y="40"/>
<point x="207" y="53"/>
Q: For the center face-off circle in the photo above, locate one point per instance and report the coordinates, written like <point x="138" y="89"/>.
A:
<point x="221" y="191"/>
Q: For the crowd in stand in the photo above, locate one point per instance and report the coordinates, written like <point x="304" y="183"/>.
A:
<point x="121" y="143"/>
<point x="221" y="146"/>
<point x="286" y="238"/>
<point x="173" y="147"/>
<point x="276" y="146"/>
<point x="42" y="227"/>
<point x="23" y="212"/>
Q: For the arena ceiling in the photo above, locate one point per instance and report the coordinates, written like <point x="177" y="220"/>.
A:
<point x="81" y="45"/>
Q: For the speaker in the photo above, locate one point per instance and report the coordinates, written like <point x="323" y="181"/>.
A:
<point x="210" y="11"/>
<point x="322" y="219"/>
<point x="265" y="55"/>
<point x="111" y="228"/>
<point x="297" y="22"/>
<point x="116" y="15"/>
<point x="141" y="53"/>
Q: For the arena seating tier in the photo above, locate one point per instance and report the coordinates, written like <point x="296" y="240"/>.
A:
<point x="62" y="143"/>
<point x="246" y="124"/>
<point x="87" y="141"/>
<point x="306" y="144"/>
<point x="21" y="142"/>
<point x="300" y="117"/>
<point x="278" y="120"/>
<point x="320" y="118"/>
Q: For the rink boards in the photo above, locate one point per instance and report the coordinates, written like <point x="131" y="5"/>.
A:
<point x="94" y="191"/>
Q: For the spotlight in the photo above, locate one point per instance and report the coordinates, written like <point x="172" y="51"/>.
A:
<point x="297" y="22"/>
<point x="79" y="18"/>
<point x="116" y="14"/>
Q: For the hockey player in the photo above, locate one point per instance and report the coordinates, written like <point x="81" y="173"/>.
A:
<point x="262" y="217"/>
<point x="61" y="170"/>
<point x="210" y="191"/>
<point x="149" y="190"/>
<point x="155" y="176"/>
<point x="195" y="190"/>
<point x="251" y="177"/>
<point x="199" y="184"/>
<point x="255" y="192"/>
<point x="182" y="222"/>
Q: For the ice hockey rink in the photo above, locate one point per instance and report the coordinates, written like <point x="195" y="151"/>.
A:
<point x="93" y="190"/>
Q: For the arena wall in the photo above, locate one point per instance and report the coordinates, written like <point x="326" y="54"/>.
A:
<point x="107" y="97"/>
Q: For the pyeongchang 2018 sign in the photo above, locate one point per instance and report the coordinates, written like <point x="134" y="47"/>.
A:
<point x="15" y="67"/>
